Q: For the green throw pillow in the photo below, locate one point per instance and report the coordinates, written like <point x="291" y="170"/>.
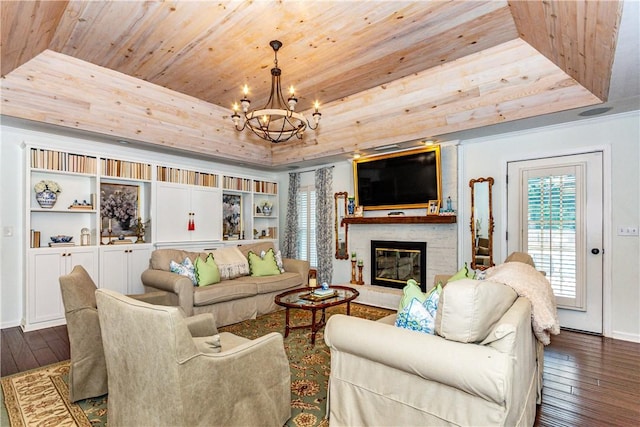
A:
<point x="463" y="273"/>
<point x="207" y="272"/>
<point x="410" y="291"/>
<point x="263" y="266"/>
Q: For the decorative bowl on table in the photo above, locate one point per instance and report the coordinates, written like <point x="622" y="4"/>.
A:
<point x="61" y="239"/>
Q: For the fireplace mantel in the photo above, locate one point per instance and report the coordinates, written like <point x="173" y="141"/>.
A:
<point x="400" y="219"/>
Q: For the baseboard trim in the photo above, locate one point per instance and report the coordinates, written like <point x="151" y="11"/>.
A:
<point x="625" y="336"/>
<point x="10" y="324"/>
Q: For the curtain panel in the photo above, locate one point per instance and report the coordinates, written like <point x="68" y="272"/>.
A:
<point x="324" y="223"/>
<point x="290" y="243"/>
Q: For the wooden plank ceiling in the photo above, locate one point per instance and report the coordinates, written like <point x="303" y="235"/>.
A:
<point x="166" y="73"/>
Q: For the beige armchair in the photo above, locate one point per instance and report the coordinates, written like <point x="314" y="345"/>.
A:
<point x="159" y="374"/>
<point x="88" y="374"/>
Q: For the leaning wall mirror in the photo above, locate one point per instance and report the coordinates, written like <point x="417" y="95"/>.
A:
<point x="340" y="229"/>
<point x="481" y="223"/>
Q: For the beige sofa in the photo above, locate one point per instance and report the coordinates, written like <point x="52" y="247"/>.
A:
<point x="230" y="301"/>
<point x="482" y="367"/>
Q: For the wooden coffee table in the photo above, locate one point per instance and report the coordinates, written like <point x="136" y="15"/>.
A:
<point x="293" y="299"/>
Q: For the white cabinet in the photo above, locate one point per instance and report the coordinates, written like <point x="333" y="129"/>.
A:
<point x="122" y="265"/>
<point x="177" y="204"/>
<point x="43" y="299"/>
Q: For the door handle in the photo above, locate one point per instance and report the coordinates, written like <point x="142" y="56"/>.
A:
<point x="595" y="251"/>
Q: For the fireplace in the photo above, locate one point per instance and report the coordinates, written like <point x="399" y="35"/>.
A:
<point x="393" y="263"/>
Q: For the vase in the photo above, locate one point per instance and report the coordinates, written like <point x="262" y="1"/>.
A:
<point x="266" y="211"/>
<point x="351" y="206"/>
<point x="46" y="199"/>
<point x="125" y="224"/>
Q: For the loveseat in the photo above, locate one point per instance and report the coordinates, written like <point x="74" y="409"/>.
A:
<point x="481" y="367"/>
<point x="233" y="299"/>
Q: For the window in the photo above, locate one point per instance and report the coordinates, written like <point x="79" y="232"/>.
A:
<point x="306" y="205"/>
<point x="551" y="232"/>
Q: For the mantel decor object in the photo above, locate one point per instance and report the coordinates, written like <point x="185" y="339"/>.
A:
<point x="353" y="272"/>
<point x="351" y="206"/>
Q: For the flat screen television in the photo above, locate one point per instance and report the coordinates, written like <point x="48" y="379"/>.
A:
<point x="401" y="180"/>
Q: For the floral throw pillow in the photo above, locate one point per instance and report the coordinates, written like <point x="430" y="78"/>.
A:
<point x="420" y="315"/>
<point x="185" y="268"/>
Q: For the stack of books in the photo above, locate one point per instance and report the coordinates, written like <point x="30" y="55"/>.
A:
<point x="57" y="244"/>
<point x="319" y="295"/>
<point x="324" y="292"/>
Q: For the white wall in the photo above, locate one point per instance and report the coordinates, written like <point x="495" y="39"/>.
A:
<point x="13" y="175"/>
<point x="619" y="137"/>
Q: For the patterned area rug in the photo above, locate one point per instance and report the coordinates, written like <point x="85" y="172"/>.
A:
<point x="41" y="396"/>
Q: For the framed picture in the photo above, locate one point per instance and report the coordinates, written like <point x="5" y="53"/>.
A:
<point x="119" y="205"/>
<point x="434" y="207"/>
<point x="231" y="216"/>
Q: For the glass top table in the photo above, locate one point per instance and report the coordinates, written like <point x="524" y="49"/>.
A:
<point x="302" y="299"/>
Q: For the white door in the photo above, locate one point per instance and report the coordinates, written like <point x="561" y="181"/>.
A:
<point x="555" y="214"/>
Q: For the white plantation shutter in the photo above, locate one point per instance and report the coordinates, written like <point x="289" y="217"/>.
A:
<point x="307" y="225"/>
<point x="553" y="235"/>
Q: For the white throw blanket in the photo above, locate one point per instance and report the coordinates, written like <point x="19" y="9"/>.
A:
<point x="531" y="284"/>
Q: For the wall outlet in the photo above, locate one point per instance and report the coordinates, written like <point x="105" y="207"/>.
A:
<point x="7" y="231"/>
<point x="628" y="230"/>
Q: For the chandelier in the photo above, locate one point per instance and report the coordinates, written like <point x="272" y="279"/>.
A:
<point x="277" y="121"/>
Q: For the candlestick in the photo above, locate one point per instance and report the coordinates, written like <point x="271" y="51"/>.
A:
<point x="353" y="272"/>
<point x="360" y="280"/>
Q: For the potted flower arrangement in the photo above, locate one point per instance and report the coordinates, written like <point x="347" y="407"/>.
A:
<point x="47" y="193"/>
<point x="266" y="207"/>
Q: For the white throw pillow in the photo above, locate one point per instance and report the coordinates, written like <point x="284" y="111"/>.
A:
<point x="468" y="309"/>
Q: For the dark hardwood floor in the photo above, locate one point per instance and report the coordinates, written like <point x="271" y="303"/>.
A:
<point x="588" y="380"/>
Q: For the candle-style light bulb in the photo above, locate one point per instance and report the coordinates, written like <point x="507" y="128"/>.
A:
<point x="316" y="115"/>
<point x="292" y="101"/>
<point x="235" y="107"/>
<point x="244" y="102"/>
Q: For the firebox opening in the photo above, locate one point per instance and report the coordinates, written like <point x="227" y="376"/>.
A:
<point x="393" y="263"/>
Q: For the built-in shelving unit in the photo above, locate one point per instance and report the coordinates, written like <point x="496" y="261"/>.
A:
<point x="184" y="206"/>
<point x="265" y="223"/>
